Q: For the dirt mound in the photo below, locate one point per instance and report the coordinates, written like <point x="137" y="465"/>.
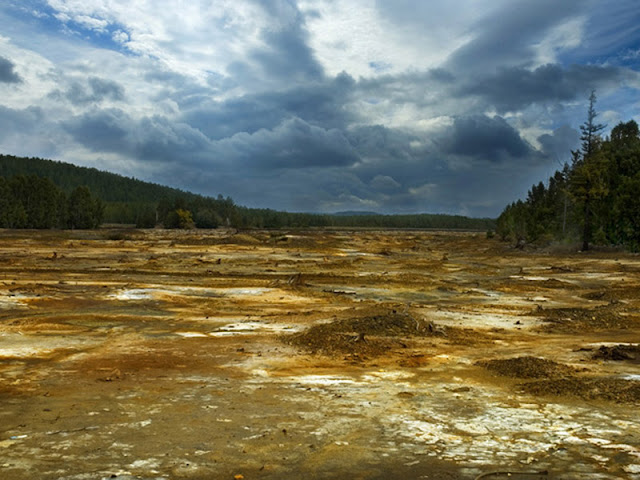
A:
<point x="392" y="325"/>
<point x="372" y="335"/>
<point x="614" y="294"/>
<point x="569" y="320"/>
<point x="527" y="367"/>
<point x="554" y="283"/>
<point x="619" y="353"/>
<point x="612" y="389"/>
<point x="242" y="239"/>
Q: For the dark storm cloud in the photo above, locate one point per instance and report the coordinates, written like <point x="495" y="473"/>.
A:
<point x="271" y="128"/>
<point x="29" y="132"/>
<point x="299" y="166"/>
<point x="414" y="87"/>
<point x="486" y="138"/>
<point x="291" y="144"/>
<point x="288" y="56"/>
<point x="285" y="56"/>
<point x="7" y="72"/>
<point x="246" y="114"/>
<point x="151" y="138"/>
<point x="95" y="90"/>
<point x="559" y="144"/>
<point x="106" y="89"/>
<point x="307" y="190"/>
<point x="320" y="104"/>
<point x="384" y="183"/>
<point x="509" y="35"/>
<point x="427" y="187"/>
<point x="26" y="120"/>
<point x="515" y="88"/>
<point x="104" y="130"/>
<point x="158" y="138"/>
<point x="378" y="141"/>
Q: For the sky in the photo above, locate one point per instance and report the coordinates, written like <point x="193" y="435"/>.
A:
<point x="389" y="106"/>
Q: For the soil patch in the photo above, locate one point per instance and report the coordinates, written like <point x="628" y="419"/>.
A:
<point x="569" y="320"/>
<point x="159" y="353"/>
<point x="612" y="389"/>
<point x="527" y="367"/>
<point x="619" y="353"/>
<point x="375" y="335"/>
<point x="627" y="292"/>
<point x="372" y="335"/>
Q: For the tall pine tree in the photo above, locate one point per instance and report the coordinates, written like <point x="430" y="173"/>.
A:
<point x="588" y="181"/>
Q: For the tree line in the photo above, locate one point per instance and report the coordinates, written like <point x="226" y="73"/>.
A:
<point x="594" y="199"/>
<point x="30" y="201"/>
<point x="202" y="212"/>
<point x="261" y="218"/>
<point x="125" y="200"/>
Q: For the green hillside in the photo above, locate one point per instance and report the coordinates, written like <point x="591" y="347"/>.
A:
<point x="110" y="187"/>
<point x="126" y="200"/>
<point x="131" y="201"/>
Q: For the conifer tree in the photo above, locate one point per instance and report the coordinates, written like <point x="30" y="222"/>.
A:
<point x="588" y="180"/>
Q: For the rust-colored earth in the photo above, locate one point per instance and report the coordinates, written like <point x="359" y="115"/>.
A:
<point x="316" y="354"/>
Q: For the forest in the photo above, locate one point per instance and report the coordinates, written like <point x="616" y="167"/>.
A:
<point x="594" y="200"/>
<point x="121" y="200"/>
<point x="36" y="202"/>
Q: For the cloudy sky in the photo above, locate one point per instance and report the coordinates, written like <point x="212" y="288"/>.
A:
<point x="393" y="106"/>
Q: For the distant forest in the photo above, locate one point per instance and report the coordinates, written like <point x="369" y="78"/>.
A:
<point x="593" y="200"/>
<point x="29" y="201"/>
<point x="40" y="193"/>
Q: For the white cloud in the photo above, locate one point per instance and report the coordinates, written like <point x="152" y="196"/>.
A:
<point x="563" y="37"/>
<point x="120" y="36"/>
<point x="91" y="23"/>
<point x="34" y="70"/>
<point x="348" y="36"/>
<point x="202" y="37"/>
<point x="63" y="17"/>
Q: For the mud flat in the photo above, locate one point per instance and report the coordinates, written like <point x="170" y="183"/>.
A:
<point x="321" y="355"/>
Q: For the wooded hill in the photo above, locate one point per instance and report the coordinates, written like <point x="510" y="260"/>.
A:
<point x="130" y="201"/>
<point x="594" y="200"/>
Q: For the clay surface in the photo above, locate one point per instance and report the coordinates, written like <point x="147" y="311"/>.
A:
<point x="316" y="354"/>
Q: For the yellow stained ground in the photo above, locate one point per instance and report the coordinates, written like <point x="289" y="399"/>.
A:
<point x="160" y="354"/>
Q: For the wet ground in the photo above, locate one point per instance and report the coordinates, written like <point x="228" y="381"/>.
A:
<point x="320" y="355"/>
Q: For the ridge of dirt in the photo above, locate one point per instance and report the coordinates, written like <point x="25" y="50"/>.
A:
<point x="626" y="292"/>
<point x="527" y="367"/>
<point x="372" y="335"/>
<point x="614" y="389"/>
<point x="618" y="353"/>
<point x="570" y="320"/>
<point x="375" y="335"/>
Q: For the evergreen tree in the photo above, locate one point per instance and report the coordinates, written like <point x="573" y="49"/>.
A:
<point x="590" y="129"/>
<point x="84" y="211"/>
<point x="12" y="213"/>
<point x="595" y="198"/>
<point x="588" y="180"/>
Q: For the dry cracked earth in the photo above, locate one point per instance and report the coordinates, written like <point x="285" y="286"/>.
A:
<point x="153" y="354"/>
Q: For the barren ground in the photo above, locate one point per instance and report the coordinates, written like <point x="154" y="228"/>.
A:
<point x="317" y="355"/>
